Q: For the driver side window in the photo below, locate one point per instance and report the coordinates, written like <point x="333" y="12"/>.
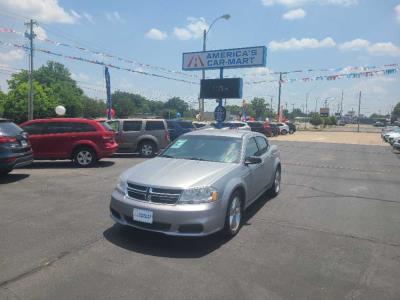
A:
<point x="251" y="148"/>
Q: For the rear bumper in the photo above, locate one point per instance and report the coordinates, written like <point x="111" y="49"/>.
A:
<point x="179" y="220"/>
<point x="16" y="161"/>
<point x="108" y="151"/>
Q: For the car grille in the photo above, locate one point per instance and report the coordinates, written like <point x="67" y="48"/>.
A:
<point x="153" y="195"/>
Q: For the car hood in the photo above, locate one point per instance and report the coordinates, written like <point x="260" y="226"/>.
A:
<point x="177" y="173"/>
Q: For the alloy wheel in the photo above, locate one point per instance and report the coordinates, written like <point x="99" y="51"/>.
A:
<point x="84" y="157"/>
<point x="235" y="214"/>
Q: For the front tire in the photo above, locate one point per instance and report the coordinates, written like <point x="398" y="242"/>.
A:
<point x="284" y="131"/>
<point x="4" y="172"/>
<point x="276" y="186"/>
<point x="85" y="157"/>
<point x="234" y="215"/>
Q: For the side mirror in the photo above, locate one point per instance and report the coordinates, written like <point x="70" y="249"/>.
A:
<point x="251" y="160"/>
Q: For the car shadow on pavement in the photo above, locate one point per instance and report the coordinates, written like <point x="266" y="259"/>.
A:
<point x="256" y="206"/>
<point x="12" y="177"/>
<point x="65" y="164"/>
<point x="157" y="244"/>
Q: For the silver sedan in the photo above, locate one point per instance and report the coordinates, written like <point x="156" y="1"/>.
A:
<point x="200" y="184"/>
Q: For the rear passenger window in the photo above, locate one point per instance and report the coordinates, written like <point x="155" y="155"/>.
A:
<point x="36" y="128"/>
<point x="82" y="127"/>
<point x="262" y="145"/>
<point x="58" y="127"/>
<point x="132" y="126"/>
<point x="155" y="125"/>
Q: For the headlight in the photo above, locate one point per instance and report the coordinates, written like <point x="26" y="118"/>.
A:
<point x="121" y="186"/>
<point x="199" y="195"/>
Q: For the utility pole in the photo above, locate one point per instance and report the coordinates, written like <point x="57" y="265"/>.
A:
<point x="305" y="119"/>
<point x="31" y="35"/>
<point x="203" y="76"/>
<point x="292" y="107"/>
<point x="279" y="95"/>
<point x="359" y="108"/>
<point x="341" y="105"/>
<point x="270" y="111"/>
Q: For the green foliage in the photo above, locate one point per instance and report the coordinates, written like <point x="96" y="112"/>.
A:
<point x="333" y="120"/>
<point x="234" y="109"/>
<point x="396" y="110"/>
<point x="2" y="101"/>
<point x="316" y="119"/>
<point x="93" y="108"/>
<point x="16" y="103"/>
<point x="177" y="104"/>
<point x="259" y="107"/>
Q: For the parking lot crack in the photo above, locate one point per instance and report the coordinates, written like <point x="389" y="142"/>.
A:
<point x="340" y="234"/>
<point x="337" y="195"/>
<point x="49" y="262"/>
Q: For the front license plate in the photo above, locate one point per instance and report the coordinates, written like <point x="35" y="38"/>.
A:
<point x="143" y="215"/>
<point x="24" y="143"/>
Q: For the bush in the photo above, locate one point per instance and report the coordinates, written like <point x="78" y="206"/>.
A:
<point x="316" y="119"/>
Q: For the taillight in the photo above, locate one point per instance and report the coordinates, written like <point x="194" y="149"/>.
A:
<point x="167" y="136"/>
<point x="7" y="139"/>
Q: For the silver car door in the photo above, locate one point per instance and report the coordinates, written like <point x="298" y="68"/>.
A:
<point x="254" y="169"/>
<point x="267" y="161"/>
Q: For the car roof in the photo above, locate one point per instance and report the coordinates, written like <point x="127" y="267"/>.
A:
<point x="224" y="133"/>
<point x="138" y="119"/>
<point x="61" y="120"/>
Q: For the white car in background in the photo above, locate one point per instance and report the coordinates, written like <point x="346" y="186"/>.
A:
<point x="283" y="128"/>
<point x="236" y="125"/>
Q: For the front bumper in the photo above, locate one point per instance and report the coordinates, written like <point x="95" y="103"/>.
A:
<point x="178" y="219"/>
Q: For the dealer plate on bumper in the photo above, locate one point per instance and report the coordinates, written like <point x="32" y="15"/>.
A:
<point x="143" y="215"/>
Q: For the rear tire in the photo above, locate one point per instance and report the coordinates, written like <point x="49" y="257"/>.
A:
<point x="284" y="131"/>
<point x="85" y="157"/>
<point x="147" y="149"/>
<point x="234" y="215"/>
<point x="276" y="186"/>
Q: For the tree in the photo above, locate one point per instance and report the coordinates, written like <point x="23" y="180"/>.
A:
<point x="234" y="109"/>
<point x="396" y="110"/>
<point x="259" y="107"/>
<point x="316" y="119"/>
<point x="16" y="103"/>
<point x="52" y="82"/>
<point x="123" y="104"/>
<point x="2" y="101"/>
<point x="333" y="120"/>
<point x="177" y="104"/>
<point x="93" y="108"/>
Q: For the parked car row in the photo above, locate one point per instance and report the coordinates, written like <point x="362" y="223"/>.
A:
<point x="391" y="135"/>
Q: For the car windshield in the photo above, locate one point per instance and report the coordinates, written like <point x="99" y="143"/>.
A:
<point x="207" y="148"/>
<point x="9" y="129"/>
<point x="106" y="126"/>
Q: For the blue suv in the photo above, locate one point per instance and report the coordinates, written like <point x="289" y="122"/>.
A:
<point x="179" y="127"/>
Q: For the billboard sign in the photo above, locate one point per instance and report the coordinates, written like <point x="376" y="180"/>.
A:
<point x="324" y="112"/>
<point x="226" y="58"/>
<point x="221" y="88"/>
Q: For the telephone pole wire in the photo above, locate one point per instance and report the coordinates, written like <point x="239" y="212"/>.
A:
<point x="31" y="35"/>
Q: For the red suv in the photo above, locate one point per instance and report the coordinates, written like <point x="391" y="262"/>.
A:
<point x="82" y="140"/>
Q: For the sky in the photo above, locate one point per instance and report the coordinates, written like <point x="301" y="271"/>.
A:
<point x="298" y="34"/>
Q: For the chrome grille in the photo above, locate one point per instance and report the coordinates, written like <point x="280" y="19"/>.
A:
<point x="153" y="195"/>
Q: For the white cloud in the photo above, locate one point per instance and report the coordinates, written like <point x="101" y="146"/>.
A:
<point x="115" y="17"/>
<point x="298" y="3"/>
<point x="306" y="43"/>
<point x="397" y="11"/>
<point x="381" y="49"/>
<point x="12" y="55"/>
<point x="377" y="49"/>
<point x="194" y="30"/>
<point x="354" y="45"/>
<point x="42" y="10"/>
<point x="75" y="14"/>
<point x="40" y="33"/>
<point x="156" y="34"/>
<point x="294" y="14"/>
<point x="88" y="17"/>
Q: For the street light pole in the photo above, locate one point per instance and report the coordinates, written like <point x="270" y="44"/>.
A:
<point x="205" y="32"/>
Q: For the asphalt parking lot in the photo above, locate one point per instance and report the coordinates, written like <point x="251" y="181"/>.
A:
<point x="332" y="233"/>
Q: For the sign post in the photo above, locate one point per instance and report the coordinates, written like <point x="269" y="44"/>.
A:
<point x="108" y="89"/>
<point x="221" y="59"/>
